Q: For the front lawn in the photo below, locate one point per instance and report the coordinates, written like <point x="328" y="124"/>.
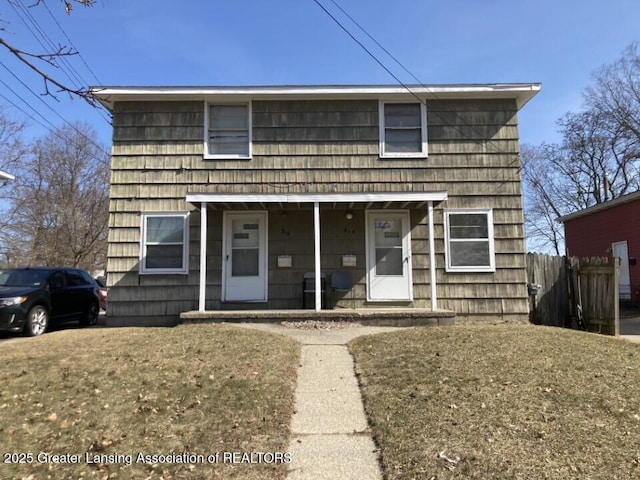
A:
<point x="508" y="401"/>
<point x="100" y="398"/>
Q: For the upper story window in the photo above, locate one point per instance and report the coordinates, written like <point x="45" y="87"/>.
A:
<point x="228" y="130"/>
<point x="469" y="243"/>
<point x="403" y="130"/>
<point x="164" y="243"/>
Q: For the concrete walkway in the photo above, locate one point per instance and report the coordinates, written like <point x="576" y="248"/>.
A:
<point x="330" y="434"/>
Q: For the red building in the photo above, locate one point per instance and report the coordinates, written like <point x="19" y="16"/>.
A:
<point x="609" y="229"/>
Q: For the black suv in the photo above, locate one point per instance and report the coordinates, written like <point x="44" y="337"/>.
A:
<point x="31" y="297"/>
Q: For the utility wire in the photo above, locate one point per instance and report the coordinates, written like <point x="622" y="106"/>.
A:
<point x="399" y="63"/>
<point x="52" y="128"/>
<point x="45" y="41"/>
<point x="76" y="50"/>
<point x="59" y="61"/>
<point x="95" y="77"/>
<point x="497" y="149"/>
<point x="39" y="97"/>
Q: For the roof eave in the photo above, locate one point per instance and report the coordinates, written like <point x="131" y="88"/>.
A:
<point x="521" y="92"/>
<point x="600" y="207"/>
<point x="6" y="176"/>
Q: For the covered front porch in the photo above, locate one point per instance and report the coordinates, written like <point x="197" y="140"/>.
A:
<point x="267" y="244"/>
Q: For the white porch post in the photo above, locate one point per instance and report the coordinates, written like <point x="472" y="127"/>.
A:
<point x="316" y="241"/>
<point x="432" y="261"/>
<point x="203" y="256"/>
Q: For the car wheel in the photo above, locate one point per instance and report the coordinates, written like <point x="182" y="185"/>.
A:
<point x="91" y="317"/>
<point x="37" y="321"/>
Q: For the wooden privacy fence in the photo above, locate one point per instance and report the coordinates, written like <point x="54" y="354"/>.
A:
<point x="574" y="292"/>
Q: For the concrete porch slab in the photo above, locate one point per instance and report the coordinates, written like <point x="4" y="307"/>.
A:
<point x="389" y="317"/>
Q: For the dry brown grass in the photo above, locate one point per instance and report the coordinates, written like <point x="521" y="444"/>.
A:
<point x="509" y="401"/>
<point x="197" y="388"/>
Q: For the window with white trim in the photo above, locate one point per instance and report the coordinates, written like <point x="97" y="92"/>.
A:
<point x="228" y="130"/>
<point x="469" y="241"/>
<point x="403" y="129"/>
<point x="164" y="243"/>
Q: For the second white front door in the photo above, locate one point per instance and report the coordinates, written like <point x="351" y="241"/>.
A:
<point x="388" y="256"/>
<point x="244" y="256"/>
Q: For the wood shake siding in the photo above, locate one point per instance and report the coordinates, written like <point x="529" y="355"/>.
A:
<point x="315" y="146"/>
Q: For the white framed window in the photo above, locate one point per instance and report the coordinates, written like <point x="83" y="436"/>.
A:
<point x="227" y="130"/>
<point x="164" y="243"/>
<point x="403" y="130"/>
<point x="469" y="242"/>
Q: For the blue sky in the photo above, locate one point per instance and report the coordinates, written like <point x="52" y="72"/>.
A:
<point x="255" y="42"/>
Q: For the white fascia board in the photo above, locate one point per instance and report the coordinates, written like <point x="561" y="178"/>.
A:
<point x="521" y="92"/>
<point x="316" y="197"/>
<point x="6" y="176"/>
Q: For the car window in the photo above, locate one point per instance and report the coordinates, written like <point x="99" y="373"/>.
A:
<point x="57" y="280"/>
<point x="75" y="279"/>
<point x="23" y="278"/>
<point x="88" y="279"/>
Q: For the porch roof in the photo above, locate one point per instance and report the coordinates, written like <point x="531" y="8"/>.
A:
<point x="322" y="197"/>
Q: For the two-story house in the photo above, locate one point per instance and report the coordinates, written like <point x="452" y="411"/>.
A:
<point x="229" y="197"/>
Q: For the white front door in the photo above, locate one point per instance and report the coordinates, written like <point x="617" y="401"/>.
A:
<point x="620" y="249"/>
<point x="244" y="256"/>
<point x="388" y="256"/>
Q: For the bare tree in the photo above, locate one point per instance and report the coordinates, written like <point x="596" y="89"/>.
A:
<point x="597" y="160"/>
<point x="11" y="143"/>
<point x="62" y="194"/>
<point x="12" y="150"/>
<point x="44" y="63"/>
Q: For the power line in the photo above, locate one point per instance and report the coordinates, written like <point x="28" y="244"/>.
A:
<point x="57" y="58"/>
<point x="497" y="149"/>
<point x="43" y="38"/>
<point x="39" y="97"/>
<point x="422" y="84"/>
<point x="71" y="43"/>
<point x="52" y="128"/>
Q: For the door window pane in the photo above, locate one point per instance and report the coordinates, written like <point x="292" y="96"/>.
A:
<point x="388" y="246"/>
<point x="245" y="247"/>
<point x="245" y="262"/>
<point x="389" y="261"/>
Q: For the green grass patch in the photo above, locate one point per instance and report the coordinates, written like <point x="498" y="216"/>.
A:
<point x="508" y="401"/>
<point x="202" y="389"/>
